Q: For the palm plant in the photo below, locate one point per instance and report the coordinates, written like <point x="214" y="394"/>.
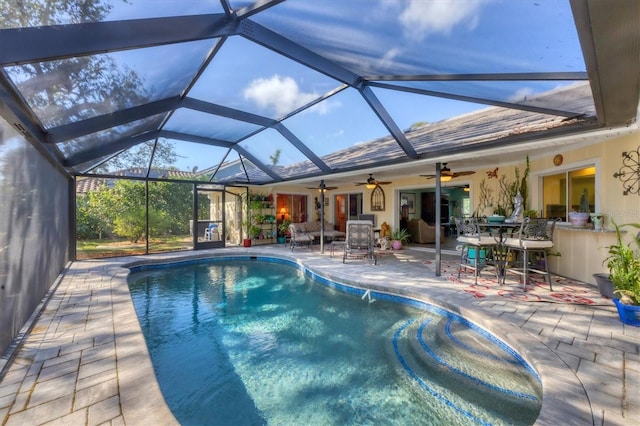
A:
<point x="400" y="234"/>
<point x="624" y="268"/>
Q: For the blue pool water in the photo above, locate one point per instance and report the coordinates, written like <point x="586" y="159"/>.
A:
<point x="250" y="342"/>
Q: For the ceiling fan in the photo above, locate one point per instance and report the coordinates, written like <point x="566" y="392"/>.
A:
<point x="326" y="188"/>
<point x="371" y="182"/>
<point x="446" y="174"/>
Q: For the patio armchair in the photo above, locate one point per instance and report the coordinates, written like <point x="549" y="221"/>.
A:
<point x="423" y="233"/>
<point x="298" y="236"/>
<point x="359" y="241"/>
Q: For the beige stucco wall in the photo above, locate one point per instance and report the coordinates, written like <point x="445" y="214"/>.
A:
<point x="581" y="252"/>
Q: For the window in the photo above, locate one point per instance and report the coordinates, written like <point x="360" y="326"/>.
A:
<point x="347" y="206"/>
<point x="561" y="193"/>
<point x="292" y="207"/>
<point x="466" y="206"/>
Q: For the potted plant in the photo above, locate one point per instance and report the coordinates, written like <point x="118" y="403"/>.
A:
<point x="624" y="271"/>
<point x="604" y="283"/>
<point x="246" y="238"/>
<point x="399" y="236"/>
<point x="283" y="229"/>
<point x="581" y="217"/>
<point x="597" y="219"/>
<point x="258" y="219"/>
<point x="254" y="231"/>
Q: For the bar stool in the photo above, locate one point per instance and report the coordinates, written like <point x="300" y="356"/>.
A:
<point x="471" y="238"/>
<point x="535" y="237"/>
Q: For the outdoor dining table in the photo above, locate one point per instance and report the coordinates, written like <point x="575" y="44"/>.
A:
<point x="500" y="231"/>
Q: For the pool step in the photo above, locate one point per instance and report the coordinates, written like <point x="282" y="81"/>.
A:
<point x="449" y="356"/>
<point x="469" y="349"/>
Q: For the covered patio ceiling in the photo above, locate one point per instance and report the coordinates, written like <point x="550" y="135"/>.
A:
<point x="241" y="92"/>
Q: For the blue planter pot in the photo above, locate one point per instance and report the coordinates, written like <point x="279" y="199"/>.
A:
<point x="481" y="256"/>
<point x="629" y="314"/>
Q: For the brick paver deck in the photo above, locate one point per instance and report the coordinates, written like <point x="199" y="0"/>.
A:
<point x="84" y="361"/>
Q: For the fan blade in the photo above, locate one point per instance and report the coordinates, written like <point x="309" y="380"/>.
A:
<point x="467" y="173"/>
<point x="372" y="183"/>
<point x="328" y="188"/>
<point x="448" y="173"/>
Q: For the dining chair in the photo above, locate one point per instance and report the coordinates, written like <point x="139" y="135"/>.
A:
<point x="474" y="241"/>
<point x="533" y="239"/>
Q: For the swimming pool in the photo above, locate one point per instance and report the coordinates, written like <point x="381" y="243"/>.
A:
<point x="257" y="341"/>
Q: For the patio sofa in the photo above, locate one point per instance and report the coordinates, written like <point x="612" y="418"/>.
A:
<point x="313" y="229"/>
<point x="423" y="233"/>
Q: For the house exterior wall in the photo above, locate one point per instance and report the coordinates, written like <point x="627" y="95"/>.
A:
<point x="582" y="252"/>
<point x="34" y="230"/>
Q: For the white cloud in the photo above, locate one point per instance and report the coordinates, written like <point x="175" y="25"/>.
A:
<point x="388" y="59"/>
<point x="521" y="95"/>
<point x="420" y="18"/>
<point x="280" y="94"/>
<point x="325" y="106"/>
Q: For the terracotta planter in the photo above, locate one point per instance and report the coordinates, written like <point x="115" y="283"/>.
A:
<point x="246" y="242"/>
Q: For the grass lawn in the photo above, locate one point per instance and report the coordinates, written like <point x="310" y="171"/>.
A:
<point x="91" y="249"/>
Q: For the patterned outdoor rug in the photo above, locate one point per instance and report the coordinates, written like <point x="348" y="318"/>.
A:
<point x="565" y="290"/>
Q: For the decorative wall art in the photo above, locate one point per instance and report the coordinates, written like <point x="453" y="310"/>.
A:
<point x="377" y="199"/>
<point x="408" y="199"/>
<point x="629" y="173"/>
<point x="557" y="160"/>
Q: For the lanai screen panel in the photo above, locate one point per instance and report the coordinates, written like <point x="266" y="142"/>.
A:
<point x="344" y="132"/>
<point x="34" y="13"/>
<point x="559" y="97"/>
<point x="279" y="155"/>
<point x="198" y="123"/>
<point x="410" y="109"/>
<point x="108" y="137"/>
<point x="134" y="158"/>
<point x="74" y="89"/>
<point x="187" y="160"/>
<point x="246" y="76"/>
<point x="434" y="37"/>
